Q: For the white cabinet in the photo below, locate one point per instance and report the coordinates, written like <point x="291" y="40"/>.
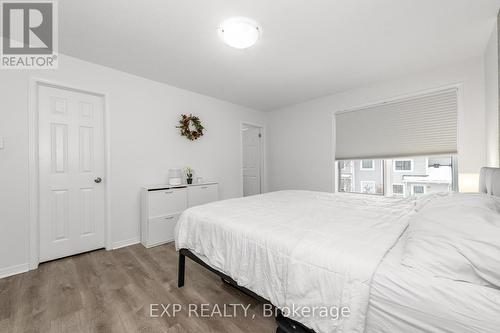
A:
<point x="202" y="194"/>
<point x="163" y="204"/>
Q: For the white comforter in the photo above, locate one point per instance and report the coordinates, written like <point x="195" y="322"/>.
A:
<point x="299" y="248"/>
<point x="410" y="300"/>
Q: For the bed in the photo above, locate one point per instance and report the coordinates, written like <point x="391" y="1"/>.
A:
<point x="314" y="250"/>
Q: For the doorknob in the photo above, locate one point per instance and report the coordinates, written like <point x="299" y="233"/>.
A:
<point x="98" y="180"/>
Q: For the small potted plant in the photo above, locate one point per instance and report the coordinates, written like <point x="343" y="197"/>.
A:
<point x="189" y="175"/>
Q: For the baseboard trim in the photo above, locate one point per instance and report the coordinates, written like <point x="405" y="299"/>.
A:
<point x="126" y="242"/>
<point x="22" y="268"/>
<point x="13" y="270"/>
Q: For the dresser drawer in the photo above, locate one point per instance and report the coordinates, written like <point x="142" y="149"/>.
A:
<point x="161" y="229"/>
<point x="202" y="194"/>
<point x="166" y="202"/>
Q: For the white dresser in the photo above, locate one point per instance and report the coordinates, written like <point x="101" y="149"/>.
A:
<point x="162" y="205"/>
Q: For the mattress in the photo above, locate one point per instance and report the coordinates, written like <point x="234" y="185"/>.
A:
<point x="407" y="300"/>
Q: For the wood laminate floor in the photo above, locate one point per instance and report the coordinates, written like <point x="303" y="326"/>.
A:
<point x="111" y="291"/>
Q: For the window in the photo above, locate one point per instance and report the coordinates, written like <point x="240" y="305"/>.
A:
<point x="400" y="177"/>
<point x="403" y="165"/>
<point x="368" y="186"/>
<point x="368" y="134"/>
<point x="418" y="189"/>
<point x="398" y="190"/>
<point x="368" y="165"/>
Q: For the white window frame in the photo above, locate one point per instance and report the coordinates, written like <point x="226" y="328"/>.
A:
<point x="399" y="194"/>
<point x="366" y="169"/>
<point x="413" y="188"/>
<point x="362" y="182"/>
<point x="412" y="162"/>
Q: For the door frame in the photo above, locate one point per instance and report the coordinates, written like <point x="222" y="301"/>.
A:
<point x="33" y="167"/>
<point x="263" y="188"/>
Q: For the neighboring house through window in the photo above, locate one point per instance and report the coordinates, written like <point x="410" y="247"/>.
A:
<point x="398" y="176"/>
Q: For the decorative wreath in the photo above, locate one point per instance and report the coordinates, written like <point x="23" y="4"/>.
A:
<point x="191" y="127"/>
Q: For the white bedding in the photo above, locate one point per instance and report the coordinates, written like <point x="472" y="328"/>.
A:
<point x="300" y="248"/>
<point x="413" y="301"/>
<point x="456" y="236"/>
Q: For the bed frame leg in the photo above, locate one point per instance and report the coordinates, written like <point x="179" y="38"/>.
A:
<point x="182" y="269"/>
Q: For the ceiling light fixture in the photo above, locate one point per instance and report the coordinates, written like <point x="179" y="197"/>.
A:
<point x="239" y="32"/>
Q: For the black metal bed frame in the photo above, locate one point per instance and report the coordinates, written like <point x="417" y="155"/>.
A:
<point x="285" y="325"/>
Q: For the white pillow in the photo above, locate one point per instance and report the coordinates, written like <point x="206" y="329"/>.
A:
<point x="456" y="236"/>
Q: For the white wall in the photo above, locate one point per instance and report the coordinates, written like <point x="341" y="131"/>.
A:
<point x="301" y="150"/>
<point x="492" y="92"/>
<point x="144" y="144"/>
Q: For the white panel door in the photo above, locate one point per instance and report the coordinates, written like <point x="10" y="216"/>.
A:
<point x="71" y="172"/>
<point x="251" y="160"/>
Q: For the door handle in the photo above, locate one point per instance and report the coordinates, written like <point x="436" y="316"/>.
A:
<point x="98" y="180"/>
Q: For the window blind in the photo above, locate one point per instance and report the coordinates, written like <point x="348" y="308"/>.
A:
<point x="416" y="126"/>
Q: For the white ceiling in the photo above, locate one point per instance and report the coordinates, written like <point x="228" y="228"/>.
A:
<point x="309" y="48"/>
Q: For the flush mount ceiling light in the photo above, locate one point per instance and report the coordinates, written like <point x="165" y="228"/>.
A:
<point x="239" y="32"/>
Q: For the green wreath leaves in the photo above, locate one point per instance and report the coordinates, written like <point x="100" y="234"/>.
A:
<point x="191" y="127"/>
